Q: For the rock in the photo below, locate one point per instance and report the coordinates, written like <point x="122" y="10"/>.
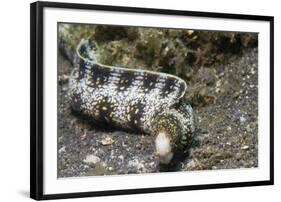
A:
<point x="190" y="32"/>
<point x="242" y="119"/>
<point x="107" y="141"/>
<point x="121" y="157"/>
<point x="91" y="159"/>
<point x="248" y="128"/>
<point x="62" y="150"/>
<point x="239" y="156"/>
<point x="253" y="71"/>
<point x="246" y="147"/>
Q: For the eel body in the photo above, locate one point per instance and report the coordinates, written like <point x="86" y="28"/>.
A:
<point x="131" y="99"/>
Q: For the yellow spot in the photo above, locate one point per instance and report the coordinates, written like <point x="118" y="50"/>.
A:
<point x="135" y="122"/>
<point x="103" y="100"/>
<point x="121" y="81"/>
<point x="126" y="81"/>
<point x="137" y="110"/>
<point x="129" y="117"/>
<point x="104" y="108"/>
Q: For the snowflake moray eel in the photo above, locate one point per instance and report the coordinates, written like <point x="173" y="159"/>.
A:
<point x="131" y="99"/>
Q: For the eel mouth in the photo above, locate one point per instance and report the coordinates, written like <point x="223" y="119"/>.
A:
<point x="163" y="148"/>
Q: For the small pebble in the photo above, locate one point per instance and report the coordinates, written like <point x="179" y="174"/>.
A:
<point x="61" y="150"/>
<point x="107" y="141"/>
<point x="242" y="119"/>
<point x="248" y="128"/>
<point x="189" y="32"/>
<point x="253" y="71"/>
<point x="245" y="147"/>
<point x="91" y="159"/>
<point x="121" y="157"/>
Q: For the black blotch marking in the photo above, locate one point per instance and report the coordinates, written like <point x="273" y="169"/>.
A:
<point x="105" y="110"/>
<point x="168" y="87"/>
<point x="83" y="51"/>
<point x="126" y="80"/>
<point x="87" y="48"/>
<point x="135" y="113"/>
<point x="82" y="69"/>
<point x="149" y="82"/>
<point x="99" y="75"/>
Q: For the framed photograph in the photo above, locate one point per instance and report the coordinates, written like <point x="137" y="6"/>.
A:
<point x="136" y="100"/>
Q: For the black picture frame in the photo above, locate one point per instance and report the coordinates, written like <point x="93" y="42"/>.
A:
<point x="37" y="99"/>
